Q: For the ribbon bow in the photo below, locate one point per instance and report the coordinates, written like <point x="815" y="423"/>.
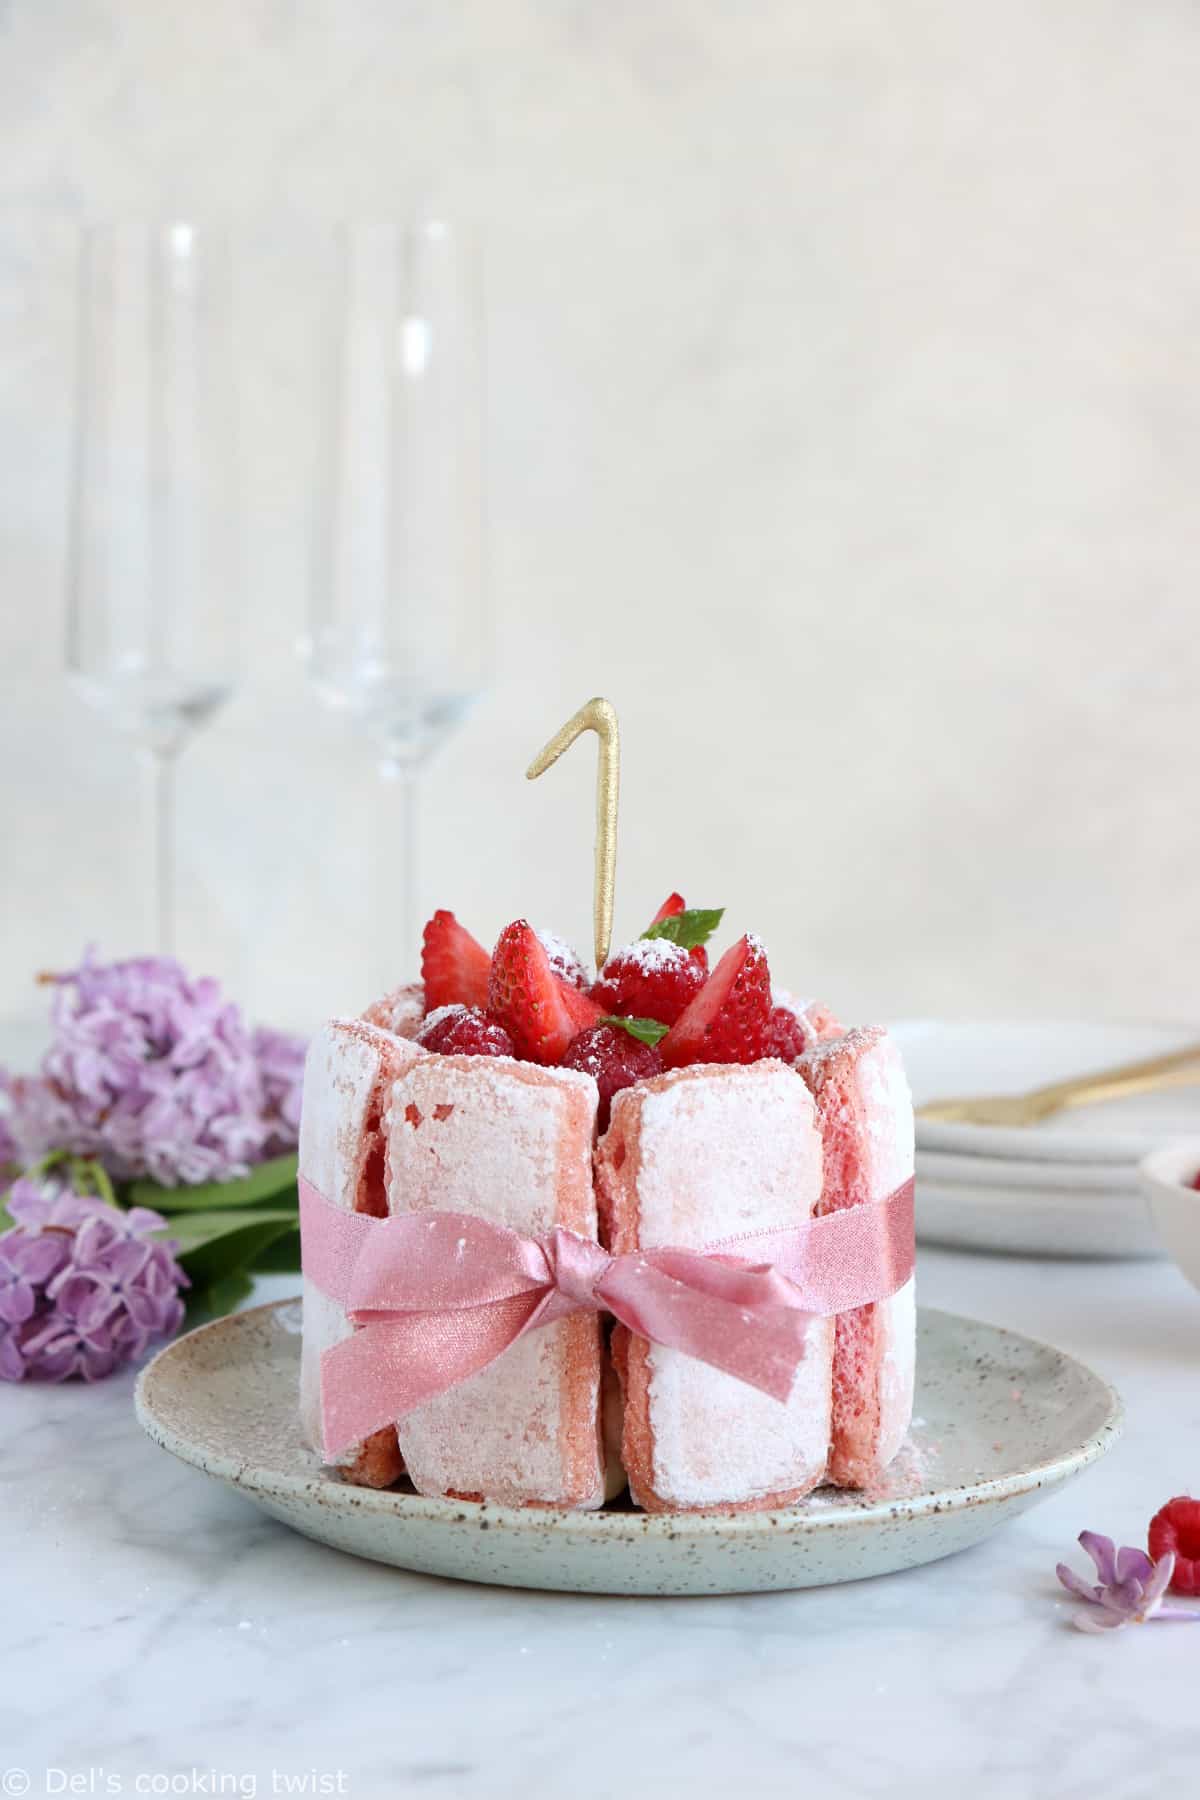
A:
<point x="440" y="1295"/>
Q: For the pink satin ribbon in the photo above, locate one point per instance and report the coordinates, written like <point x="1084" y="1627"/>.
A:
<point x="440" y="1295"/>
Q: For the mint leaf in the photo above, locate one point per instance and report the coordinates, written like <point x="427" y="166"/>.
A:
<point x="646" y="1031"/>
<point x="274" y="1180"/>
<point x="694" y="925"/>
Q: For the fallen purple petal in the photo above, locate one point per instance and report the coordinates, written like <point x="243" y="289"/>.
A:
<point x="1131" y="1589"/>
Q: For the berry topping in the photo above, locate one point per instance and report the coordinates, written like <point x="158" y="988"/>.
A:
<point x="652" y="979"/>
<point x="540" y="1012"/>
<point x="727" y="1021"/>
<point x="615" y="1058"/>
<point x="566" y="963"/>
<point x="454" y="967"/>
<point x="674" y="903"/>
<point x="785" y="1035"/>
<point x="1177" y="1527"/>
<point x="694" y="925"/>
<point x="464" y="1031"/>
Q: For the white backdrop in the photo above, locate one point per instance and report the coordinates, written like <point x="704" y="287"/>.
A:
<point x="845" y="431"/>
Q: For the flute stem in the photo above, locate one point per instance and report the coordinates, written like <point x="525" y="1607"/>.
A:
<point x="160" y="783"/>
<point x="395" y="951"/>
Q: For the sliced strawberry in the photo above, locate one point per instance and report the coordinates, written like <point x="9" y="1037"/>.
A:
<point x="674" y="903"/>
<point x="581" y="1008"/>
<point x="727" y="1021"/>
<point x="454" y="966"/>
<point x="540" y="1013"/>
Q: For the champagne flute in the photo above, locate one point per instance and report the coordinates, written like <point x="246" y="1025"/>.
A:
<point x="398" y="625"/>
<point x="150" y="618"/>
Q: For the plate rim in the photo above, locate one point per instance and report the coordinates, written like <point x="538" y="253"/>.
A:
<point x="614" y="1527"/>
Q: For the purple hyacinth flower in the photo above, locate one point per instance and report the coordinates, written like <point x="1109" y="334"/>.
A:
<point x="84" y="1287"/>
<point x="1131" y="1589"/>
<point x="154" y="1073"/>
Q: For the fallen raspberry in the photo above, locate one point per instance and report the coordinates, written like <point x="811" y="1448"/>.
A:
<point x="464" y="1031"/>
<point x="652" y="979"/>
<point x="785" y="1035"/>
<point x="1176" y="1526"/>
<point x="615" y="1059"/>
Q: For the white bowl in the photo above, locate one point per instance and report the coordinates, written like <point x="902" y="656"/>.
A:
<point x="1166" y="1176"/>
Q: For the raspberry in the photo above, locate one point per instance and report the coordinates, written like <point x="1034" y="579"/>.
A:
<point x="540" y="1012"/>
<point x="1196" y="1183"/>
<point x="464" y="1031"/>
<point x="566" y="962"/>
<point x="652" y="979"/>
<point x="615" y="1059"/>
<point x="1176" y="1526"/>
<point x="454" y="966"/>
<point x="785" y="1035"/>
<point x="727" y="1021"/>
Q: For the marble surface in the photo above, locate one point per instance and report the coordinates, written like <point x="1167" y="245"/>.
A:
<point x="160" y="1634"/>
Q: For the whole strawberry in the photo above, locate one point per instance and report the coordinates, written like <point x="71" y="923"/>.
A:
<point x="615" y="1059"/>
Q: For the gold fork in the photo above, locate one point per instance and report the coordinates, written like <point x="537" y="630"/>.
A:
<point x="1181" y="1068"/>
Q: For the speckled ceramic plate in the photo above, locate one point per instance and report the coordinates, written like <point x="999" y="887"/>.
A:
<point x="1000" y="1421"/>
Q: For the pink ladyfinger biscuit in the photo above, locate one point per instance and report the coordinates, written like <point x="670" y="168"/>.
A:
<point x="347" y="1077"/>
<point x="692" y="1157"/>
<point x="509" y="1142"/>
<point x="402" y="1012"/>
<point x="864" y="1109"/>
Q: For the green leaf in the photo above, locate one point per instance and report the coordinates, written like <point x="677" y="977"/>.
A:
<point x="266" y="1181"/>
<point x="281" y="1257"/>
<point x="215" y="1244"/>
<point x="220" y="1296"/>
<point x="694" y="925"/>
<point x="646" y="1031"/>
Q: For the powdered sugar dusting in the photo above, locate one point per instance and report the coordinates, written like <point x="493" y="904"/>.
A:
<point x="650" y="955"/>
<point x="509" y="1142"/>
<point x="720" y="1151"/>
<point x="455" y="1010"/>
<point x="565" y="960"/>
<point x="347" y="1060"/>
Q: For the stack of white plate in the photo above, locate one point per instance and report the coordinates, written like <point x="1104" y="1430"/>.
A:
<point x="1066" y="1187"/>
